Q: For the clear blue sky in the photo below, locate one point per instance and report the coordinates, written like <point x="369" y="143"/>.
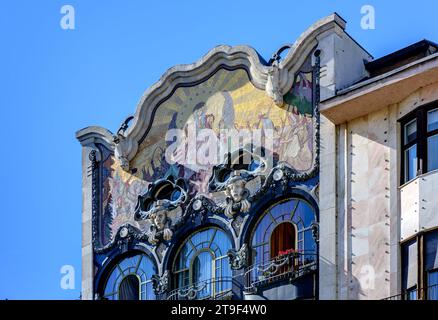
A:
<point x="54" y="82"/>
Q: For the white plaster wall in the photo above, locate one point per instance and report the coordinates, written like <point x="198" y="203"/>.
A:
<point x="342" y="63"/>
<point x="372" y="214"/>
<point x="327" y="212"/>
<point x="368" y="206"/>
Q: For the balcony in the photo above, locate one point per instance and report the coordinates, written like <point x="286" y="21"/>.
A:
<point x="418" y="205"/>
<point x="289" y="267"/>
<point x="211" y="289"/>
<point x="428" y="293"/>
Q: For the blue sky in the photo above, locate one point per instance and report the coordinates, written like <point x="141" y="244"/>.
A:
<point x="54" y="82"/>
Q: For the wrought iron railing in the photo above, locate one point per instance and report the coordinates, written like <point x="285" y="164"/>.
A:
<point x="288" y="266"/>
<point x="428" y="293"/>
<point x="211" y="289"/>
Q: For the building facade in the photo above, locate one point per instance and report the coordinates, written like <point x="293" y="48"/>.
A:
<point x="308" y="176"/>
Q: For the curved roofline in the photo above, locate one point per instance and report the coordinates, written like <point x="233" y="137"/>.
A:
<point x="222" y="56"/>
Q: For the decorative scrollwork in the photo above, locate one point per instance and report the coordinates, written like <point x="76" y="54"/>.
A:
<point x="238" y="259"/>
<point x="125" y="146"/>
<point x="154" y="206"/>
<point x="126" y="234"/>
<point x="161" y="284"/>
<point x="94" y="168"/>
<point x="191" y="292"/>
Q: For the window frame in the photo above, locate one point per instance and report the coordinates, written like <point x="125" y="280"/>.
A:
<point x="125" y="272"/>
<point x="421" y="116"/>
<point x="216" y="260"/>
<point x="422" y="285"/>
<point x="299" y="228"/>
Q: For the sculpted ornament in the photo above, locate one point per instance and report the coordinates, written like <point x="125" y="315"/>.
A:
<point x="161" y="283"/>
<point x="160" y="207"/>
<point x="160" y="223"/>
<point x="125" y="147"/>
<point x="238" y="259"/>
<point x="273" y="84"/>
<point x="237" y="196"/>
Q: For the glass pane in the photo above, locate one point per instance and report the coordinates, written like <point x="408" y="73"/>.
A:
<point x="283" y="238"/>
<point x="411" y="163"/>
<point x="129" y="288"/>
<point x="202" y="274"/>
<point x="411" y="294"/>
<point x="432" y="153"/>
<point x="432" y="284"/>
<point x="410" y="131"/>
<point x="432" y="120"/>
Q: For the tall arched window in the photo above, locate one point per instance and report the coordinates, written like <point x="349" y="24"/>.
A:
<point x="201" y="269"/>
<point x="130" y="279"/>
<point x="284" y="227"/>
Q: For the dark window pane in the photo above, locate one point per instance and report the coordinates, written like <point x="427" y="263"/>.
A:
<point x="432" y="120"/>
<point x="432" y="153"/>
<point x="202" y="273"/>
<point x="411" y="294"/>
<point x="410" y="163"/>
<point x="410" y="131"/>
<point x="409" y="265"/>
<point x="129" y="288"/>
<point x="283" y="238"/>
<point x="432" y="284"/>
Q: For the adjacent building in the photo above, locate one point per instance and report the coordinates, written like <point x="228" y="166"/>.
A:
<point x="307" y="176"/>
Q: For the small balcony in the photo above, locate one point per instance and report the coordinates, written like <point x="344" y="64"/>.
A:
<point x="211" y="289"/>
<point x="289" y="266"/>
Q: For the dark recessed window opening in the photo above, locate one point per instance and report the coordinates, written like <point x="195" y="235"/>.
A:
<point x="419" y="149"/>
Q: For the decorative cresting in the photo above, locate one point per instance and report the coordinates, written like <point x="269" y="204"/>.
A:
<point x="161" y="284"/>
<point x="276" y="79"/>
<point x="161" y="206"/>
<point x="238" y="258"/>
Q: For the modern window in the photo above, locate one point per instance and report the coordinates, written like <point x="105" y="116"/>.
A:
<point x="419" y="142"/>
<point x="285" y="227"/>
<point x="420" y="267"/>
<point x="431" y="265"/>
<point x="409" y="252"/>
<point x="201" y="269"/>
<point x="130" y="279"/>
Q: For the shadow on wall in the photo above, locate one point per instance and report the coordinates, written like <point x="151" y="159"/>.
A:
<point x="348" y="286"/>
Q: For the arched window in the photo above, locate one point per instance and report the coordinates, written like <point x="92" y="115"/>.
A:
<point x="284" y="227"/>
<point x="283" y="238"/>
<point x="201" y="269"/>
<point x="130" y="279"/>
